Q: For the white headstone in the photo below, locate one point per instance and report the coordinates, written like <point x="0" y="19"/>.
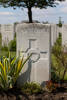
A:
<point x="53" y="33"/>
<point x="64" y="35"/>
<point x="34" y="38"/>
<point x="7" y="32"/>
<point x="0" y="28"/>
<point x="59" y="30"/>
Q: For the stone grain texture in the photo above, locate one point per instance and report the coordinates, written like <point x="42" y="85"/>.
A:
<point x="64" y="35"/>
<point x="36" y="39"/>
<point x="7" y="32"/>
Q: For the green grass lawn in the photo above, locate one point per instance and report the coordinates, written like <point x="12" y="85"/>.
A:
<point x="6" y="53"/>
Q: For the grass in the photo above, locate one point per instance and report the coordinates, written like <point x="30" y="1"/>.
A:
<point x="6" y="53"/>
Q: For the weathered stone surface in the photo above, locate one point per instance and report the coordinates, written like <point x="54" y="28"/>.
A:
<point x="7" y="32"/>
<point x="59" y="30"/>
<point x="64" y="35"/>
<point x="36" y="39"/>
<point x="53" y="34"/>
<point x="55" y="30"/>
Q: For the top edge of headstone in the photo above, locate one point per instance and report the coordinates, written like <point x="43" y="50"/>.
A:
<point x="64" y="24"/>
<point x="34" y="23"/>
<point x="6" y="24"/>
<point x="53" y="24"/>
<point x="25" y="24"/>
<point x="29" y="25"/>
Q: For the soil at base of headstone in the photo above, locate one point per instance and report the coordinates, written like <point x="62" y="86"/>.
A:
<point x="44" y="96"/>
<point x="16" y="94"/>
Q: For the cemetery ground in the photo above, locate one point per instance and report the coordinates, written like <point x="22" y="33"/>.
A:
<point x="33" y="92"/>
<point x="55" y="89"/>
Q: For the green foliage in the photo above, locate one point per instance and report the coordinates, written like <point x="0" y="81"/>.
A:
<point x="12" y="45"/>
<point x="57" y="48"/>
<point x="4" y="48"/>
<point x="57" y="69"/>
<point x="28" y="4"/>
<point x="54" y="75"/>
<point x="60" y="22"/>
<point x="15" y="35"/>
<point x="9" y="70"/>
<point x="31" y="88"/>
<point x="59" y="61"/>
<point x="6" y="53"/>
<point x="59" y="40"/>
<point x="0" y="40"/>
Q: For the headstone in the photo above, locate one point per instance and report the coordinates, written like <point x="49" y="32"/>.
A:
<point x="64" y="35"/>
<point x="0" y="28"/>
<point x="53" y="34"/>
<point x="59" y="30"/>
<point x="7" y="32"/>
<point x="36" y="39"/>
